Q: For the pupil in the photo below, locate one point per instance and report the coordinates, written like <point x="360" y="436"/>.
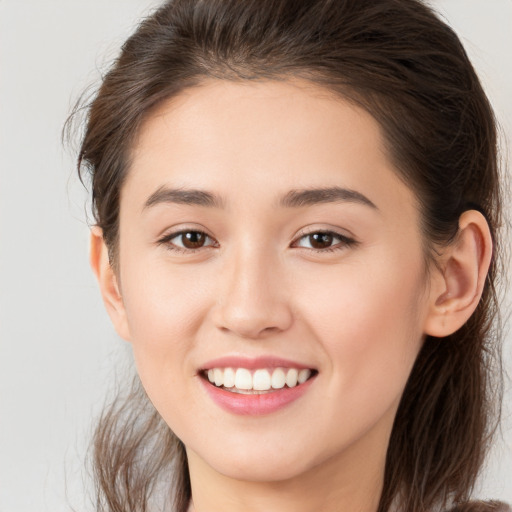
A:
<point x="321" y="240"/>
<point x="193" y="239"/>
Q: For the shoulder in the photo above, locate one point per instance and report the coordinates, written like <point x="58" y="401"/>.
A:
<point x="482" y="506"/>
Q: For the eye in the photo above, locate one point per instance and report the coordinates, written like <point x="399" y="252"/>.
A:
<point x="187" y="240"/>
<point x="323" y="241"/>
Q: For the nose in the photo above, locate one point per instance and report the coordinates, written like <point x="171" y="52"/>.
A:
<point x="252" y="300"/>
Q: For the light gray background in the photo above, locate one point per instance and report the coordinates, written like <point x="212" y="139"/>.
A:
<point x="58" y="352"/>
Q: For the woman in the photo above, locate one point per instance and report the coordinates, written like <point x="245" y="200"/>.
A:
<point x="297" y="207"/>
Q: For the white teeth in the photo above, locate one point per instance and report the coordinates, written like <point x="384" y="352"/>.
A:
<point x="218" y="376"/>
<point x="229" y="378"/>
<point x="242" y="379"/>
<point x="261" y="380"/>
<point x="304" y="376"/>
<point x="278" y="379"/>
<point x="291" y="377"/>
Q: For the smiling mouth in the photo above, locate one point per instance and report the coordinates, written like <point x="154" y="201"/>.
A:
<point x="259" y="381"/>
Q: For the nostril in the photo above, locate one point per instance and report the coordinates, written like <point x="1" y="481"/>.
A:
<point x="253" y="324"/>
<point x="246" y="332"/>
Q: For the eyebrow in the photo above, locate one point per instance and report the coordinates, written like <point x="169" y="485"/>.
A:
<point x="292" y="199"/>
<point x="308" y="197"/>
<point x="184" y="196"/>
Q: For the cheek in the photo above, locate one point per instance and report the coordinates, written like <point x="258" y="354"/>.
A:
<point x="370" y="324"/>
<point x="164" y="308"/>
<point x="160" y="300"/>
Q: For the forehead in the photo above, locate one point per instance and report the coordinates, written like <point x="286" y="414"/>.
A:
<point x="258" y="119"/>
<point x="238" y="137"/>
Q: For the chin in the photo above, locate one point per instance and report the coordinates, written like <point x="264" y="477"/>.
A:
<point x="257" y="462"/>
<point x="264" y="471"/>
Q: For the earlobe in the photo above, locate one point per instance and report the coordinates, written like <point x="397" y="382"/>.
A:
<point x="108" y="283"/>
<point x="459" y="282"/>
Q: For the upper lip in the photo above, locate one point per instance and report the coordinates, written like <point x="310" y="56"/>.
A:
<point x="253" y="363"/>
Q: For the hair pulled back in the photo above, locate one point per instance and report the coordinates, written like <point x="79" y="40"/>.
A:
<point x="407" y="68"/>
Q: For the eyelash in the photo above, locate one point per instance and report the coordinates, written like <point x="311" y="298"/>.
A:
<point x="343" y="240"/>
<point x="166" y="240"/>
<point x="343" y="243"/>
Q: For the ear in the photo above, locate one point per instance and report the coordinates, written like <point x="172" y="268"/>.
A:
<point x="457" y="286"/>
<point x="108" y="282"/>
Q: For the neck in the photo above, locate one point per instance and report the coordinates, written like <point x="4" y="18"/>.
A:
<point x="349" y="481"/>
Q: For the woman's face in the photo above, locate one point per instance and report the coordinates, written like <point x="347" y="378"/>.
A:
<point x="265" y="237"/>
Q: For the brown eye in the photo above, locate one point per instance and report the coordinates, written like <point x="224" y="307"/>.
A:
<point x="325" y="241"/>
<point x="187" y="241"/>
<point x="193" y="239"/>
<point x="320" y="240"/>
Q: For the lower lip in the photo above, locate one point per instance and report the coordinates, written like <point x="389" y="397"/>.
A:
<point x="255" y="405"/>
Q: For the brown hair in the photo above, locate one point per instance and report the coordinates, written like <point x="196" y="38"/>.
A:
<point x="400" y="62"/>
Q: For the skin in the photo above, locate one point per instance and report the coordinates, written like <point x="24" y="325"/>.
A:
<point x="357" y="313"/>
